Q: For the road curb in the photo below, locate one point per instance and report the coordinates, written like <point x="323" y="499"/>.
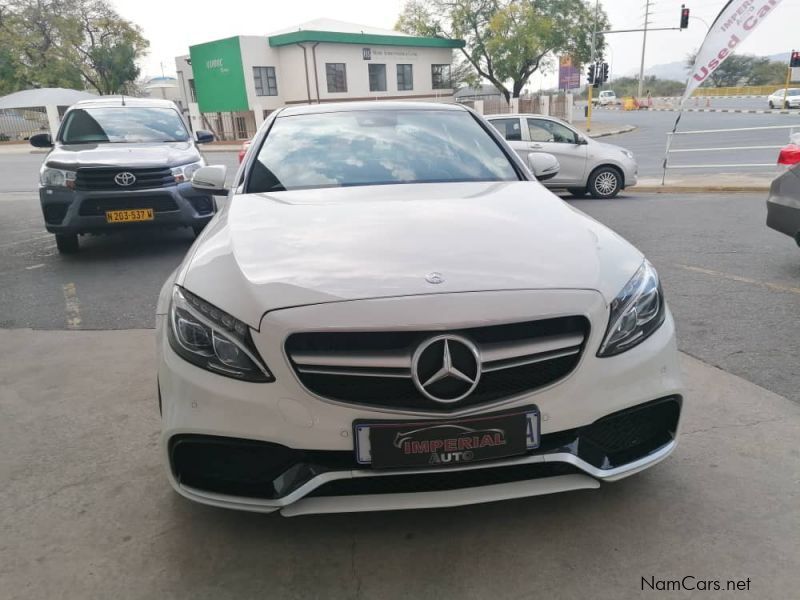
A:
<point x="699" y="189"/>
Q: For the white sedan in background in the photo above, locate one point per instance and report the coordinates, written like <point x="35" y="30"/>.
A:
<point x="391" y="312"/>
<point x="586" y="165"/>
<point x="784" y="98"/>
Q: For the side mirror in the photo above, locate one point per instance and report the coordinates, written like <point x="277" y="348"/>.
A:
<point x="544" y="166"/>
<point x="41" y="140"/>
<point x="210" y="179"/>
<point x="580" y="140"/>
<point x="203" y="137"/>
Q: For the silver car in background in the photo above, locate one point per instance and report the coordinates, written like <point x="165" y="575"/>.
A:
<point x="586" y="165"/>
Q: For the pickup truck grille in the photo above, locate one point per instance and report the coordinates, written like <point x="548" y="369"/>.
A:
<point x="102" y="178"/>
<point x="375" y="368"/>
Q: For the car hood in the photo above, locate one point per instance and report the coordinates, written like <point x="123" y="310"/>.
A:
<point x="163" y="154"/>
<point x="270" y="251"/>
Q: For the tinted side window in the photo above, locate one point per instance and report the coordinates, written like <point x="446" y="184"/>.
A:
<point x="543" y="130"/>
<point x="508" y="128"/>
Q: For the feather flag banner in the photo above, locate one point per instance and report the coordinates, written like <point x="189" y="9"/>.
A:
<point x="736" y="20"/>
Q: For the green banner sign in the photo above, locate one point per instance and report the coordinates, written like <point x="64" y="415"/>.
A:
<point x="219" y="76"/>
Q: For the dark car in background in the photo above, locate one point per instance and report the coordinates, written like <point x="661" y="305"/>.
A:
<point x="119" y="163"/>
<point x="783" y="204"/>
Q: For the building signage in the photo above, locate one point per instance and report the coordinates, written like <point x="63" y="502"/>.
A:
<point x="569" y="74"/>
<point x="219" y="76"/>
<point x="366" y="53"/>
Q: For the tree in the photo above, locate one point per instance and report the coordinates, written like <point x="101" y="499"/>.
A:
<point x="508" y="40"/>
<point x="766" y="72"/>
<point x="68" y="43"/>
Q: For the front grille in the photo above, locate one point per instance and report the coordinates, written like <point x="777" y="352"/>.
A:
<point x="97" y="207"/>
<point x="102" y="178"/>
<point x="374" y="368"/>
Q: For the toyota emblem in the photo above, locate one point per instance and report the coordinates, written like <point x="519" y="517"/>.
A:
<point x="125" y="178"/>
<point x="446" y="368"/>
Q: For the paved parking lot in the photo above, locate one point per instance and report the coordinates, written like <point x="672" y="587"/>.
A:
<point x="85" y="510"/>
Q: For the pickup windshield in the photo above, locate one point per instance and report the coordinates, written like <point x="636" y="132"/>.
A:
<point x="117" y="125"/>
<point x="377" y="147"/>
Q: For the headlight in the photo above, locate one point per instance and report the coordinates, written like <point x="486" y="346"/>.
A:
<point x="57" y="178"/>
<point x="185" y="172"/>
<point x="212" y="339"/>
<point x="636" y="312"/>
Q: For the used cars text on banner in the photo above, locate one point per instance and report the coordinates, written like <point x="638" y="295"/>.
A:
<point x="733" y="24"/>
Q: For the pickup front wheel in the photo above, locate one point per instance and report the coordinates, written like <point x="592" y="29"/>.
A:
<point x="67" y="243"/>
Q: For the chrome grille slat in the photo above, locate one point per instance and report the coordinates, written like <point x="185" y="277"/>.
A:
<point x="384" y="360"/>
<point x="351" y="373"/>
<point x="529" y="360"/>
<point x="509" y="350"/>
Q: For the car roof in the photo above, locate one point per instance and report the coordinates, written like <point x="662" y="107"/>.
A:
<point x="310" y="109"/>
<point x="120" y="101"/>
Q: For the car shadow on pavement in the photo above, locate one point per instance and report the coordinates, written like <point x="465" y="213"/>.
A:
<point x="122" y="245"/>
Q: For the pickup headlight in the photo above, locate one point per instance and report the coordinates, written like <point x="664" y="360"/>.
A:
<point x="185" y="172"/>
<point x="212" y="339"/>
<point x="57" y="178"/>
<point x="636" y="312"/>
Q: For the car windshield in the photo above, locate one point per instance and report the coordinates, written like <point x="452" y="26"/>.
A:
<point x="123" y="124"/>
<point x="793" y="93"/>
<point x="376" y="147"/>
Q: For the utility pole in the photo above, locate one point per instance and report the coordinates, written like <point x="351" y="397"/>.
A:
<point x="591" y="85"/>
<point x="644" y="46"/>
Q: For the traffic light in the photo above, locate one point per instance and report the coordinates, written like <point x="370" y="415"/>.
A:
<point x="590" y="73"/>
<point x="795" y="60"/>
<point x="684" y="16"/>
<point x="603" y="72"/>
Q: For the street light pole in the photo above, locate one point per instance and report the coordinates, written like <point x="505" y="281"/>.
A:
<point x="644" y="46"/>
<point x="591" y="85"/>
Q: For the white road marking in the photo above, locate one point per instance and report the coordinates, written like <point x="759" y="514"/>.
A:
<point x="73" y="306"/>
<point x="775" y="287"/>
<point x="32" y="267"/>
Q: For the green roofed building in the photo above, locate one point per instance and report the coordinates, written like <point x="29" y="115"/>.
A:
<point x="230" y="85"/>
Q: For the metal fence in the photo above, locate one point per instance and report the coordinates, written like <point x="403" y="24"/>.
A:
<point x="228" y="127"/>
<point x="22" y="123"/>
<point x="697" y="153"/>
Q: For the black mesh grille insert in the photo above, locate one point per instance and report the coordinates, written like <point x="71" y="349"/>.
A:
<point x="402" y="393"/>
<point x="97" y="207"/>
<point x="102" y="178"/>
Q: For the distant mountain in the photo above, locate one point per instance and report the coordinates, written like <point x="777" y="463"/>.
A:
<point x="677" y="70"/>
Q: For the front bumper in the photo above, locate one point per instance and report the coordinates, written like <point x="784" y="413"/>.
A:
<point x="77" y="211"/>
<point x="310" y="438"/>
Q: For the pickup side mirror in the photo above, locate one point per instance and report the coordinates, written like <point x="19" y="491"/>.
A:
<point x="203" y="137"/>
<point x="544" y="166"/>
<point x="41" y="140"/>
<point x="211" y="179"/>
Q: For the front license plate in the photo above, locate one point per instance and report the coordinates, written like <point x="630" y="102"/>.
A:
<point x="129" y="216"/>
<point x="446" y="442"/>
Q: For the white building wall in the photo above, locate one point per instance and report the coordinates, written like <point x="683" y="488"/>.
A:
<point x="256" y="52"/>
<point x="191" y="111"/>
<point x="294" y="85"/>
<point x="358" y="72"/>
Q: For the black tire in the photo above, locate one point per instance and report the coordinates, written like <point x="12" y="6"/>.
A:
<point x="67" y="243"/>
<point x="771" y="105"/>
<point x="577" y="192"/>
<point x="605" y="182"/>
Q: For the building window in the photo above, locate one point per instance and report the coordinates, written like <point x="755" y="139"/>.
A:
<point x="377" y="78"/>
<point x="336" y="74"/>
<point x="192" y="91"/>
<point x="440" y="76"/>
<point x="266" y="82"/>
<point x="405" y="77"/>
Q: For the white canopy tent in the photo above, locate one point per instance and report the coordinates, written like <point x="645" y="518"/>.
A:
<point x="48" y="100"/>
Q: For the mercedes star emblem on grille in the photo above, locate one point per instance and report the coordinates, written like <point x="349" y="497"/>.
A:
<point x="125" y="178"/>
<point x="446" y="368"/>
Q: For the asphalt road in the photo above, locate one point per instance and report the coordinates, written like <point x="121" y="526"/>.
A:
<point x="733" y="284"/>
<point x="648" y="141"/>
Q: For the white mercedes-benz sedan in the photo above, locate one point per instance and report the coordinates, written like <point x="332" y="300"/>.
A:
<point x="390" y="312"/>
